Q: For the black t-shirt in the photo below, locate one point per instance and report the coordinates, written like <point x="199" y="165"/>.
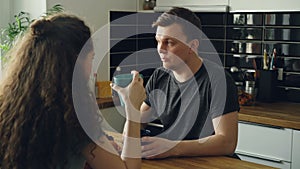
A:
<point x="186" y="109"/>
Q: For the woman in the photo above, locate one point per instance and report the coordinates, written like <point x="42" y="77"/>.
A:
<point x="38" y="123"/>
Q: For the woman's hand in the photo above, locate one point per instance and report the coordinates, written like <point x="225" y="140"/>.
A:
<point x="134" y="94"/>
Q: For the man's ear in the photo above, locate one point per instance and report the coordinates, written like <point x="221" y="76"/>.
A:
<point x="194" y="44"/>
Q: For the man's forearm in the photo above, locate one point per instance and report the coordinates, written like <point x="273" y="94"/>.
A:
<point x="212" y="145"/>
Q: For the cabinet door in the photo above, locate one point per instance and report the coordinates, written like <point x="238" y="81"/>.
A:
<point x="281" y="164"/>
<point x="265" y="5"/>
<point x="190" y="2"/>
<point x="265" y="142"/>
<point x="296" y="150"/>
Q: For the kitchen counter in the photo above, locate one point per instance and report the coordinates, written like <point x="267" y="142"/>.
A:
<point x="281" y="114"/>
<point x="107" y="102"/>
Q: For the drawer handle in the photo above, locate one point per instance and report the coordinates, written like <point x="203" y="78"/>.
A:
<point x="260" y="156"/>
<point x="262" y="125"/>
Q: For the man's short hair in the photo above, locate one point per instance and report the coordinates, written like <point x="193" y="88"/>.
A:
<point x="183" y="17"/>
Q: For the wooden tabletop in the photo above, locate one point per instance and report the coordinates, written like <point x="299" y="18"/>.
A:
<point x="220" y="162"/>
<point x="281" y="114"/>
<point x="216" y="162"/>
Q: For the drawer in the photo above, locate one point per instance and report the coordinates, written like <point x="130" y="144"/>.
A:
<point x="265" y="142"/>
<point x="281" y="164"/>
<point x="296" y="150"/>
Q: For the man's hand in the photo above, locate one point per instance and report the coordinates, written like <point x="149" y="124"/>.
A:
<point x="155" y="147"/>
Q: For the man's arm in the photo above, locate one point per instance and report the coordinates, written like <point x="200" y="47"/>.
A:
<point x="222" y="143"/>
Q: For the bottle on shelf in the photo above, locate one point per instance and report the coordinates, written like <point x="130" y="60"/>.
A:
<point x="117" y="72"/>
<point x="149" y="4"/>
<point x="265" y="61"/>
<point x="273" y="60"/>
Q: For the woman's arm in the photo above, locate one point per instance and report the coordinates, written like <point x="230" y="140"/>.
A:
<point x="105" y="156"/>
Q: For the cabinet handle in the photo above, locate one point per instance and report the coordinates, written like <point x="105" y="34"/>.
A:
<point x="263" y="125"/>
<point x="258" y="156"/>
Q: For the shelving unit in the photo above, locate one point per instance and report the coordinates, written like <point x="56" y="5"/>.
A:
<point x="250" y="33"/>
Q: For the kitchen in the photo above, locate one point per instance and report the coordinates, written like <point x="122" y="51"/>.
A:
<point x="231" y="55"/>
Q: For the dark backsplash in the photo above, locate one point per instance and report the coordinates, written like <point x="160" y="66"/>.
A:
<point x="239" y="39"/>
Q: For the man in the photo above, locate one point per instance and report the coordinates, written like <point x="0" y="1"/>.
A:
<point x="194" y="98"/>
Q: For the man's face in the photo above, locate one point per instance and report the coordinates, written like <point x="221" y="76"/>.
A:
<point x="172" y="46"/>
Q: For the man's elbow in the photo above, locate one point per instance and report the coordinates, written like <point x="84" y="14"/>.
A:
<point x="230" y="146"/>
<point x="231" y="149"/>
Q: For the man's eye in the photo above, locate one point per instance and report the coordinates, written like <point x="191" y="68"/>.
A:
<point x="170" y="42"/>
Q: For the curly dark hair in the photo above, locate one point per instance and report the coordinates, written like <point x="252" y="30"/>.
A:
<point x="38" y="123"/>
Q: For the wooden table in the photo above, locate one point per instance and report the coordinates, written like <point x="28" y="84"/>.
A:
<point x="201" y="163"/>
<point x="215" y="162"/>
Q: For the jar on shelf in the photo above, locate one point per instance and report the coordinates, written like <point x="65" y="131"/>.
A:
<point x="149" y="4"/>
<point x="247" y="96"/>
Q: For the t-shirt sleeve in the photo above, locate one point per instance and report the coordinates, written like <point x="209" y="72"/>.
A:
<point x="232" y="103"/>
<point x="226" y="101"/>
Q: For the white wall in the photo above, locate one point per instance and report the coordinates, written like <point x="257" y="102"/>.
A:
<point x="95" y="12"/>
<point x="5" y="12"/>
<point x="35" y="8"/>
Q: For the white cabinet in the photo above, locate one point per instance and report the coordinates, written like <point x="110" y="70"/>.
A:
<point x="265" y="5"/>
<point x="190" y="2"/>
<point x="194" y="5"/>
<point x="238" y="5"/>
<point x="266" y="145"/>
<point x="296" y="150"/>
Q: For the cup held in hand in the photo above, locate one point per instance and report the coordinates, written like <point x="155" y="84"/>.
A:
<point x="123" y="80"/>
